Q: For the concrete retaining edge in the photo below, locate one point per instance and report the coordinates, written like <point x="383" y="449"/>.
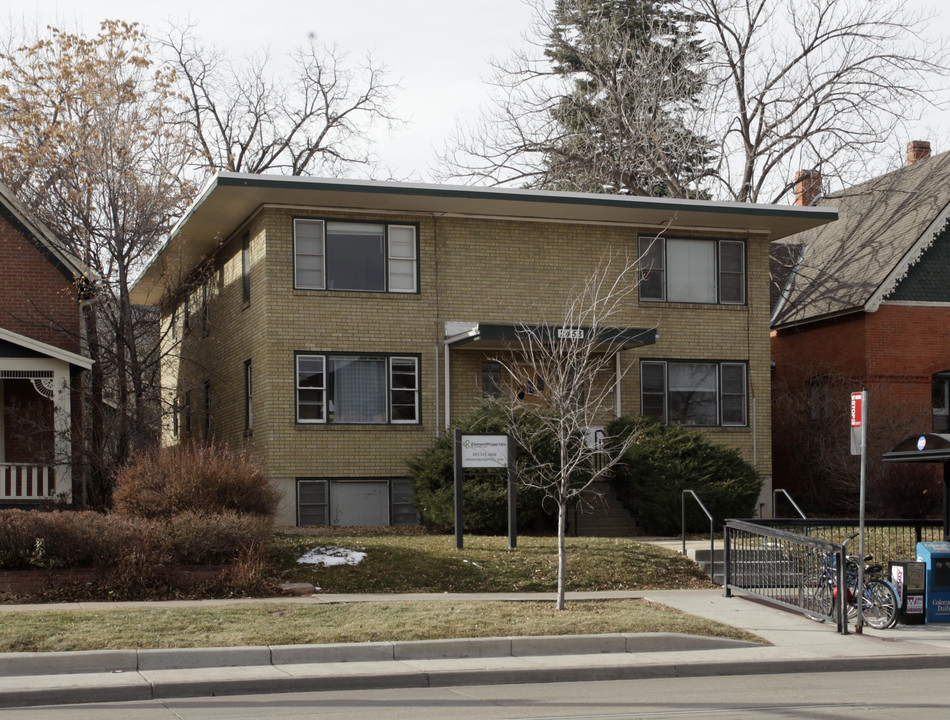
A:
<point x="96" y="661"/>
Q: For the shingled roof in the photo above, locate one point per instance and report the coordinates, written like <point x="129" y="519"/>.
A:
<point x="851" y="265"/>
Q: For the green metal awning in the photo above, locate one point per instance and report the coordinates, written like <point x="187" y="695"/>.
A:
<point x="496" y="336"/>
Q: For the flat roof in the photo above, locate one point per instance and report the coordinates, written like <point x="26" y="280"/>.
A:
<point x="229" y="199"/>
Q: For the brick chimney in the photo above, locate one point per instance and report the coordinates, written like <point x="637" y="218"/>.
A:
<point x="807" y="186"/>
<point x="917" y="150"/>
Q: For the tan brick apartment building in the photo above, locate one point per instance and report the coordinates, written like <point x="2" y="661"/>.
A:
<point x="340" y="326"/>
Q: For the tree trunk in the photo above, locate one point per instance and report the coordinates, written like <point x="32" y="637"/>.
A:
<point x="561" y="555"/>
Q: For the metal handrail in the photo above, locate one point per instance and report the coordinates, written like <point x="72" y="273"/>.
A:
<point x="712" y="540"/>
<point x="775" y="493"/>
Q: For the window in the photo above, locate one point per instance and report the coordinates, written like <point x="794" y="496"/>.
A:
<point x="371" y="257"/>
<point x="692" y="271"/>
<point x="694" y="393"/>
<point x="491" y="380"/>
<point x="248" y="399"/>
<point x="207" y="427"/>
<point x="205" y="294"/>
<point x="246" y="266"/>
<point x="941" y="402"/>
<point x="357" y="389"/>
<point x="355" y="501"/>
<point x="175" y="410"/>
<point x="187" y="412"/>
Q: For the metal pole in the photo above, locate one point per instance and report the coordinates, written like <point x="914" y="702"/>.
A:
<point x="458" y="489"/>
<point x="864" y="467"/>
<point x="512" y="495"/>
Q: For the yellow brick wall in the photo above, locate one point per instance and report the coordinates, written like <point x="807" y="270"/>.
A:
<point x="476" y="270"/>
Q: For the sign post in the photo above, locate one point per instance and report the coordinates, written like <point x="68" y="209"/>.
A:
<point x="485" y="451"/>
<point x="859" y="446"/>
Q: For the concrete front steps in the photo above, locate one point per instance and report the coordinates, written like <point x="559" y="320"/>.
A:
<point x="603" y="515"/>
<point x="748" y="564"/>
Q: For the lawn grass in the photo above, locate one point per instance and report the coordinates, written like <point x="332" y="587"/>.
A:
<point x="398" y="562"/>
<point x="292" y="623"/>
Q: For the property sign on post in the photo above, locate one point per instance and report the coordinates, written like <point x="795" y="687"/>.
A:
<point x="485" y="451"/>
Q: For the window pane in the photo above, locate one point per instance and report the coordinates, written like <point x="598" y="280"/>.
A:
<point x="357" y="389"/>
<point x="652" y="283"/>
<point x="310" y="371"/>
<point x="653" y="386"/>
<point x="731" y="272"/>
<point x="308" y="253"/>
<point x="355" y="257"/>
<point x="402" y="275"/>
<point x="691" y="271"/>
<point x="692" y="393"/>
<point x="491" y="379"/>
<point x="405" y="385"/>
<point x="402" y="242"/>
<point x="733" y="394"/>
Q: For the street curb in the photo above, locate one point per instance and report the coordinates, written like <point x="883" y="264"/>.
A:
<point x="98" y="661"/>
<point x="167" y="684"/>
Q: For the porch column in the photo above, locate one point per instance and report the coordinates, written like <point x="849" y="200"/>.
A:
<point x="62" y="432"/>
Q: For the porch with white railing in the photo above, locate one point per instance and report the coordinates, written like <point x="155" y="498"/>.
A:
<point x="26" y="481"/>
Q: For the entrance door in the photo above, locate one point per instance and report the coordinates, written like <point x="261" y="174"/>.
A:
<point x="357" y="502"/>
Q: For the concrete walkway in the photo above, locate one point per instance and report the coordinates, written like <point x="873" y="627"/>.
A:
<point x="797" y="645"/>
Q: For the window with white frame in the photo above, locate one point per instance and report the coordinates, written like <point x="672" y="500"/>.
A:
<point x="357" y="389"/>
<point x="370" y="257"/>
<point x="694" y="393"/>
<point x="692" y="270"/>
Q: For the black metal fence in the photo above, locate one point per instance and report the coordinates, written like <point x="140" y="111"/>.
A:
<point x="781" y="560"/>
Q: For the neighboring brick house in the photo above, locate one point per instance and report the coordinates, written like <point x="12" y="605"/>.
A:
<point x="337" y="327"/>
<point x="864" y="302"/>
<point x="39" y="359"/>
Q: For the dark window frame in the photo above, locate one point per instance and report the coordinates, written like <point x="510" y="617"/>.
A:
<point x="328" y="387"/>
<point x="387" y="257"/>
<point x="657" y="246"/>
<point x="720" y="366"/>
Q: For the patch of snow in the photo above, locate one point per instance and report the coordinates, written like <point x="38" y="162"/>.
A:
<point x="327" y="556"/>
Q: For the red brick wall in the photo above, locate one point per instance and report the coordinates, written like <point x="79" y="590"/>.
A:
<point x="36" y="299"/>
<point x="893" y="352"/>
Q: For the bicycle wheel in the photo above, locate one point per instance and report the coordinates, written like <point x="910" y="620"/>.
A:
<point x="818" y="601"/>
<point x="880" y="605"/>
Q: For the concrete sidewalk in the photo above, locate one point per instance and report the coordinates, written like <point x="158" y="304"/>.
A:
<point x="798" y="645"/>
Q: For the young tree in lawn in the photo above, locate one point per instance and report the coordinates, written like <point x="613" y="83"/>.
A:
<point x="565" y="375"/>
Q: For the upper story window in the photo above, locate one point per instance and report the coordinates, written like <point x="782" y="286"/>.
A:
<point x="357" y="389"/>
<point x="694" y="393"/>
<point x="692" y="271"/>
<point x="371" y="257"/>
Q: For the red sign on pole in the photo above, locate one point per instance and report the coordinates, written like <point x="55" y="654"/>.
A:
<point x="856" y="399"/>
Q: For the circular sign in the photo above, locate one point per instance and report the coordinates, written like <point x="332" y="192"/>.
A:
<point x="921" y="442"/>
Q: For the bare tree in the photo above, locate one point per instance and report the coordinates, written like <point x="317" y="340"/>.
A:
<point x="248" y="119"/>
<point x="780" y="85"/>
<point x="571" y="369"/>
<point x="603" y="99"/>
<point x="85" y="143"/>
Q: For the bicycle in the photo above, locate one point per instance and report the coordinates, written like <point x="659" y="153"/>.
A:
<point x="879" y="602"/>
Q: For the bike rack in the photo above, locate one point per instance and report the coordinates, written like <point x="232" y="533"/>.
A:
<point x="712" y="538"/>
<point x="789" y="498"/>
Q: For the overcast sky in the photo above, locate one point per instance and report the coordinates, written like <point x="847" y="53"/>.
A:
<point x="437" y="50"/>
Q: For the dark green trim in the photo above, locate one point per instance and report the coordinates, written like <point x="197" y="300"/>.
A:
<point x="546" y="197"/>
<point x="627" y="337"/>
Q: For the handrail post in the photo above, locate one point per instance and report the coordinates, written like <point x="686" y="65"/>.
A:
<point x="712" y="538"/>
<point x="775" y="493"/>
<point x="726" y="561"/>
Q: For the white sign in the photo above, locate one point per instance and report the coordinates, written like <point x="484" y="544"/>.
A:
<point x="484" y="451"/>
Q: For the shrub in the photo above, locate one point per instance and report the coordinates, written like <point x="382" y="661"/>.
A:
<point x="162" y="482"/>
<point x="70" y="539"/>
<point x="484" y="492"/>
<point x="666" y="460"/>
